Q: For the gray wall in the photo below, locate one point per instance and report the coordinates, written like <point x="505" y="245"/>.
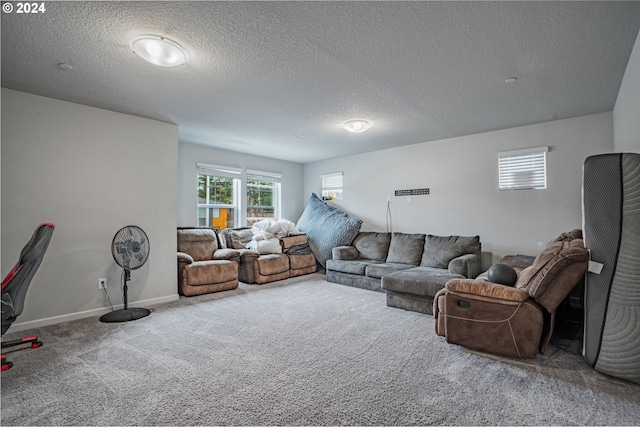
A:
<point x="626" y="114"/>
<point x="461" y="174"/>
<point x="191" y="154"/>
<point x="89" y="171"/>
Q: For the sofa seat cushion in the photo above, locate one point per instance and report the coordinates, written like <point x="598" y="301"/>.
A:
<point x="424" y="281"/>
<point x="378" y="270"/>
<point x="210" y="272"/>
<point x="406" y="248"/>
<point x="301" y="264"/>
<point x="270" y="264"/>
<point x="357" y="266"/>
<point x="440" y="250"/>
<point x="301" y="261"/>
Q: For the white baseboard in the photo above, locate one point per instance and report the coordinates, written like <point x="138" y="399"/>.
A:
<point x="22" y="326"/>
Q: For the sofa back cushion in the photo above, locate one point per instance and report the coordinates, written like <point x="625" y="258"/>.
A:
<point x="240" y="238"/>
<point x="406" y="248"/>
<point x="440" y="250"/>
<point x="200" y="243"/>
<point x="555" y="271"/>
<point x="371" y="245"/>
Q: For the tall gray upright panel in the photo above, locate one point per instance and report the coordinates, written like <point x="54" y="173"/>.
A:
<point x="611" y="209"/>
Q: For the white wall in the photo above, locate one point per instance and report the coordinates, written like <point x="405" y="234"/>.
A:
<point x="626" y="113"/>
<point x="90" y="172"/>
<point x="461" y="174"/>
<point x="191" y="154"/>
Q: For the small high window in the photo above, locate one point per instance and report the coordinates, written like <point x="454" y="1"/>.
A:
<point x="523" y="169"/>
<point x="332" y="186"/>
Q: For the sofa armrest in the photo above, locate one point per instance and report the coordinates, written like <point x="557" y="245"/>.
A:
<point x="249" y="255"/>
<point x="345" y="253"/>
<point x="468" y="265"/>
<point x="226" y="254"/>
<point x="487" y="289"/>
<point x="184" y="257"/>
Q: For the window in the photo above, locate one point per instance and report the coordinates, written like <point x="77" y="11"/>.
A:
<point x="523" y="169"/>
<point x="263" y="196"/>
<point x="218" y="189"/>
<point x="332" y="186"/>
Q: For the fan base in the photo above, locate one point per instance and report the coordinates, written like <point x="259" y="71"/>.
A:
<point x="125" y="315"/>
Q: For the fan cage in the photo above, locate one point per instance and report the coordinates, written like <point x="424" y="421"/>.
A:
<point x="130" y="247"/>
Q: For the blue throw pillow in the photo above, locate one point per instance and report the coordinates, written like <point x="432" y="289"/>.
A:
<point x="326" y="228"/>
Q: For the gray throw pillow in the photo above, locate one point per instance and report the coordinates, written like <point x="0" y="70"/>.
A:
<point x="326" y="228"/>
<point x="440" y="250"/>
<point x="406" y="248"/>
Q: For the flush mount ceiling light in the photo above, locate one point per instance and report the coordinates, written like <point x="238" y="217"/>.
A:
<point x="356" y="126"/>
<point x="510" y="79"/>
<point x="159" y="50"/>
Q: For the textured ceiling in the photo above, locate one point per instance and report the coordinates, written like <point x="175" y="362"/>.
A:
<point x="261" y="74"/>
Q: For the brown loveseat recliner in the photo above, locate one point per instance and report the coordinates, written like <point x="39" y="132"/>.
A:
<point x="512" y="321"/>
<point x="202" y="266"/>
<point x="256" y="268"/>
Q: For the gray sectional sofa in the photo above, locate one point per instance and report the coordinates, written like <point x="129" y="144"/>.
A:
<point x="411" y="268"/>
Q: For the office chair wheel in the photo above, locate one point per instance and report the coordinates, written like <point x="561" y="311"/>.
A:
<point x="6" y="365"/>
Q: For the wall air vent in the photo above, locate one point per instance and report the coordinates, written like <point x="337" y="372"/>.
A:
<point x="414" y="192"/>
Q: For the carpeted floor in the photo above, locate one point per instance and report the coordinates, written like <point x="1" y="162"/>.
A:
<point x="297" y="352"/>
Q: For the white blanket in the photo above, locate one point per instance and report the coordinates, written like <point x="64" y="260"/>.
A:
<point x="269" y="246"/>
<point x="267" y="234"/>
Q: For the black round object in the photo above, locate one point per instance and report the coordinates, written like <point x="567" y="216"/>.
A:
<point x="130" y="247"/>
<point x="503" y="274"/>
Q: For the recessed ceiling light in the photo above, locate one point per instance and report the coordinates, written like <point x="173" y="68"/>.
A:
<point x="510" y="79"/>
<point x="159" y="50"/>
<point x="356" y="126"/>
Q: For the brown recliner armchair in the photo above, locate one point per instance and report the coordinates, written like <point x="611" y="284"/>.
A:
<point x="512" y="321"/>
<point x="202" y="266"/>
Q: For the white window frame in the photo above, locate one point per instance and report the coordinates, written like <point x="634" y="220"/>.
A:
<point x="224" y="172"/>
<point x="332" y="185"/>
<point x="523" y="169"/>
<point x="276" y="179"/>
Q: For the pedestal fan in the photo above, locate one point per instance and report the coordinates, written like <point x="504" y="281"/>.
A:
<point x="130" y="250"/>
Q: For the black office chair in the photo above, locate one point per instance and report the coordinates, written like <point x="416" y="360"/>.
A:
<point x="16" y="283"/>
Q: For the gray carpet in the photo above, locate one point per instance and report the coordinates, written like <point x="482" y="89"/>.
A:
<point x="297" y="352"/>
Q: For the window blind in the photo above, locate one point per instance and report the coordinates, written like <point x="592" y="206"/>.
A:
<point x="523" y="169"/>
<point x="331" y="180"/>
<point x="264" y="176"/>
<point x="217" y="170"/>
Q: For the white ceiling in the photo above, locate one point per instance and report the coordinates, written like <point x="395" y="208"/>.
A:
<point x="261" y="74"/>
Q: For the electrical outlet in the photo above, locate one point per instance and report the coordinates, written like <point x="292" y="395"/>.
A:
<point x="102" y="283"/>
